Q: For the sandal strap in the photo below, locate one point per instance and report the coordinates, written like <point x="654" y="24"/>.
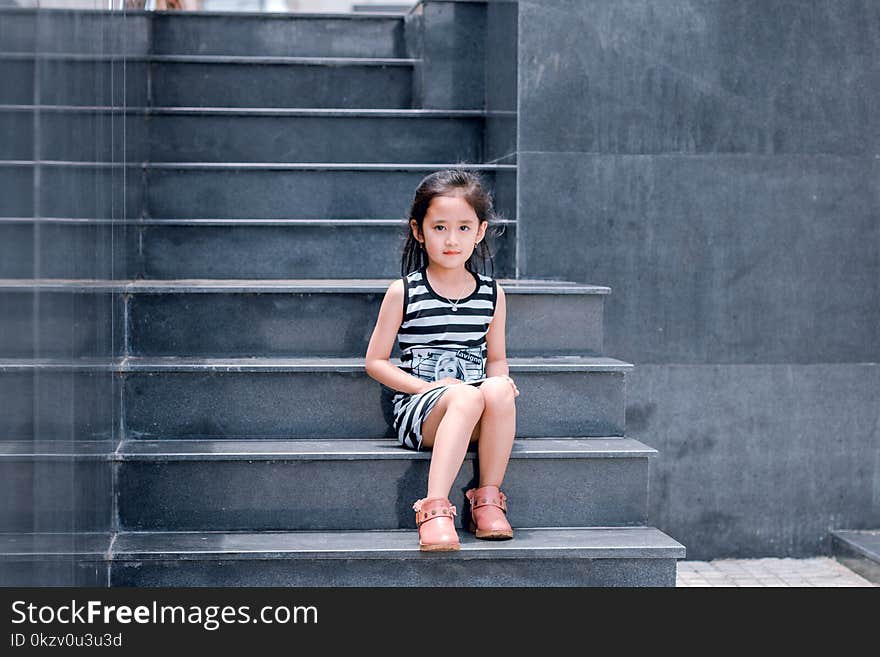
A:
<point x="431" y="509"/>
<point x="487" y="496"/>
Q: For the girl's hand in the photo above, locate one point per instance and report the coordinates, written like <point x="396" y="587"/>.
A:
<point x="515" y="389"/>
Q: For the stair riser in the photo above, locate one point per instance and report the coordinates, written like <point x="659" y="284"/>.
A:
<point x="221" y="251"/>
<point x="329" y="494"/>
<point x="74" y="136"/>
<point x="176" y="138"/>
<point x="283" y="251"/>
<point x="271" y="36"/>
<point x="42" y="324"/>
<point x="66" y="406"/>
<point x="87" y="137"/>
<point x="336" y="324"/>
<point x="78" y="499"/>
<point x="279" y="194"/>
<point x="424" y="570"/>
<point x="74" y="31"/>
<point x="62" y="571"/>
<point x="72" y="191"/>
<point x="96" y="251"/>
<point x="170" y="193"/>
<point x="68" y="82"/>
<point x="326" y="405"/>
<point x="39" y="324"/>
<point x="190" y="84"/>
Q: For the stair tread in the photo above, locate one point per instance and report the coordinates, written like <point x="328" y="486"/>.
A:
<point x="863" y="541"/>
<point x="580" y="542"/>
<point x="312" y="285"/>
<point x="261" y="111"/>
<point x="356" y="448"/>
<point x="213" y="59"/>
<point x="595" y="542"/>
<point x="289" y="364"/>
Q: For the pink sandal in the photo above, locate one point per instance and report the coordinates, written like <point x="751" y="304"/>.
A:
<point x="434" y="518"/>
<point x="488" y="510"/>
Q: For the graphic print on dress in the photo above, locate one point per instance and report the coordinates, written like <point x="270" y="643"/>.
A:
<point x="434" y="363"/>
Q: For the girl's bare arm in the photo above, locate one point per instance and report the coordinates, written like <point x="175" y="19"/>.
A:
<point x="378" y="364"/>
<point x="496" y="349"/>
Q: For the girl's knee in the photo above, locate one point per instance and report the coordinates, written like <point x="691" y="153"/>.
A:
<point x="466" y="395"/>
<point x="497" y="390"/>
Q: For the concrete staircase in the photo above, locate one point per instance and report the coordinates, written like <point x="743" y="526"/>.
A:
<point x="275" y="156"/>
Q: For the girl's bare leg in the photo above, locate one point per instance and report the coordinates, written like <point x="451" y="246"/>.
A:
<point x="497" y="428"/>
<point x="447" y="430"/>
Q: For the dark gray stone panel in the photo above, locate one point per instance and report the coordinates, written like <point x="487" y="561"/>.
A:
<point x="282" y="251"/>
<point x="501" y="81"/>
<point x="716" y="76"/>
<point x="759" y="460"/>
<point x="95" y="82"/>
<point x="396" y="572"/>
<point x="250" y="138"/>
<point x="18" y="81"/>
<point x="92" y="136"/>
<point x="266" y="193"/>
<point x="313" y="494"/>
<point x="453" y="54"/>
<point x="248" y="84"/>
<point x="40" y="324"/>
<point x="55" y="495"/>
<point x="215" y="404"/>
<point x="91" y="192"/>
<point x="16" y="191"/>
<point x="16" y="250"/>
<point x="55" y="572"/>
<point x="83" y="32"/>
<point x="17" y="132"/>
<point x="54" y="404"/>
<point x="339" y="324"/>
<point x="714" y="259"/>
<point x="67" y="250"/>
<point x="277" y="35"/>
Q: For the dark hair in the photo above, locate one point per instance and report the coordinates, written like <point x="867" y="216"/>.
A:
<point x="451" y="182"/>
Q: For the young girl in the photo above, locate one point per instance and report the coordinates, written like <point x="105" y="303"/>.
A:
<point x="449" y="319"/>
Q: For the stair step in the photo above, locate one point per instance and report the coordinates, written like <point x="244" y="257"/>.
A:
<point x="858" y="550"/>
<point x="193" y="81"/>
<point x="74" y="80"/>
<point x="636" y="556"/>
<point x="179" y="485"/>
<point x="282" y="82"/>
<point x="336" y="318"/>
<point x="220" y="248"/>
<point x="235" y="190"/>
<point x="60" y="558"/>
<point x="287" y="317"/>
<point x="280" y="397"/>
<point x="576" y="556"/>
<point x="71" y="133"/>
<point x="271" y="397"/>
<point x="330" y="35"/>
<point x="81" y="492"/>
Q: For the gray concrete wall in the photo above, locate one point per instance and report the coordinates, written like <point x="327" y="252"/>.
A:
<point x="716" y="163"/>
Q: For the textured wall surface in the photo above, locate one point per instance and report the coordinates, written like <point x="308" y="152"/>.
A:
<point x="715" y="162"/>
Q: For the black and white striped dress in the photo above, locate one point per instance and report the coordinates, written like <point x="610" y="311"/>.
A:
<point x="437" y="342"/>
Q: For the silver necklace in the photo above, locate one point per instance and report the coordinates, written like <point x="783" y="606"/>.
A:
<point x="454" y="304"/>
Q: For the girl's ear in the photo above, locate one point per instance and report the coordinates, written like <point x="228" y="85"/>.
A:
<point x="415" y="229"/>
<point x="484" y="225"/>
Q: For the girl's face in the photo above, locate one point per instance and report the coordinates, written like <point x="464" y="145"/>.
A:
<point x="451" y="231"/>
